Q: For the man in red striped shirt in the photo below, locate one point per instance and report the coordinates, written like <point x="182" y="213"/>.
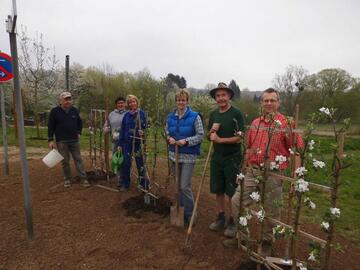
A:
<point x="275" y="128"/>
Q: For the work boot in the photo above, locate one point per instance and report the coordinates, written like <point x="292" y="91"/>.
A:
<point x="230" y="228"/>
<point x="86" y="183"/>
<point x="67" y="183"/>
<point x="219" y="224"/>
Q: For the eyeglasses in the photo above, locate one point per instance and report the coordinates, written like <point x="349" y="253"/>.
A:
<point x="270" y="100"/>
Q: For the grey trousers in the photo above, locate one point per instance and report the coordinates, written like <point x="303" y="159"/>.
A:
<point x="273" y="194"/>
<point x="186" y="198"/>
<point x="73" y="148"/>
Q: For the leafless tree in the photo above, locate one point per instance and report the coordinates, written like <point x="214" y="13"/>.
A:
<point x="286" y="84"/>
<point x="38" y="71"/>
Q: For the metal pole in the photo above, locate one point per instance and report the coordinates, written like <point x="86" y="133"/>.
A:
<point x="22" y="144"/>
<point x="4" y="131"/>
<point x="67" y="67"/>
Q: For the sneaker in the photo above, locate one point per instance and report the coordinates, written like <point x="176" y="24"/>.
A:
<point x="86" y="183"/>
<point x="230" y="228"/>
<point x="67" y="183"/>
<point x="219" y="224"/>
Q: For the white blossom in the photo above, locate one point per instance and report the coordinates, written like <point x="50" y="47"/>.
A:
<point x="335" y="211"/>
<point x="248" y="216"/>
<point x="309" y="203"/>
<point x="312" y="205"/>
<point x="310" y="155"/>
<point x="301" y="171"/>
<point x="311" y="144"/>
<point x="291" y="151"/>
<point x="239" y="133"/>
<point x="301" y="185"/>
<point x="325" y="225"/>
<point x="302" y="267"/>
<point x="277" y="123"/>
<point x="240" y="176"/>
<point x="325" y="111"/>
<point x="274" y="166"/>
<point x="318" y="164"/>
<point x="312" y="257"/>
<point x="243" y="221"/>
<point x="260" y="215"/>
<point x="255" y="196"/>
<point x="280" y="159"/>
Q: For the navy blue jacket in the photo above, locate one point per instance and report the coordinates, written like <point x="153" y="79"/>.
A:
<point x="183" y="128"/>
<point x="129" y="122"/>
<point x="66" y="126"/>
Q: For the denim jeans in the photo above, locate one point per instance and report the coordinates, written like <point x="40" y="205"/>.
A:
<point x="73" y="148"/>
<point x="186" y="198"/>
<point x="126" y="168"/>
<point x="119" y="173"/>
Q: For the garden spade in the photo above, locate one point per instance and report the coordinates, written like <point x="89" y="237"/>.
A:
<point x="176" y="211"/>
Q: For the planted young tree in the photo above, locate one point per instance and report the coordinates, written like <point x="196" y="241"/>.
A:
<point x="38" y="71"/>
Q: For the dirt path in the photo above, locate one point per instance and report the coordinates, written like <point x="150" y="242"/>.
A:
<point x="80" y="228"/>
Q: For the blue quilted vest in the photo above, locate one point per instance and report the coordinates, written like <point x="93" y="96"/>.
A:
<point x="181" y="129"/>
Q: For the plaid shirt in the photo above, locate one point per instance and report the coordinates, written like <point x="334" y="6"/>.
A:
<point x="257" y="139"/>
<point x="194" y="140"/>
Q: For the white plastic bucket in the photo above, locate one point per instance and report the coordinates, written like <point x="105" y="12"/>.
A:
<point x="52" y="158"/>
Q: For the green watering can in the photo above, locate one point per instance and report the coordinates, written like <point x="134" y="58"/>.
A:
<point x="116" y="161"/>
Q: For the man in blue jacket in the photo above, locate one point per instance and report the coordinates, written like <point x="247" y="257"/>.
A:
<point x="66" y="124"/>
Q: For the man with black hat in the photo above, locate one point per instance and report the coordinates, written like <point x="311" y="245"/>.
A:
<point x="224" y="124"/>
<point x="66" y="124"/>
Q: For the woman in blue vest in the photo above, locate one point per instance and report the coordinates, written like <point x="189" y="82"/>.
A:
<point x="131" y="142"/>
<point x="185" y="129"/>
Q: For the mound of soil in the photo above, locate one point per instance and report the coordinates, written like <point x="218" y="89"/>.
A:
<point x="95" y="176"/>
<point x="136" y="206"/>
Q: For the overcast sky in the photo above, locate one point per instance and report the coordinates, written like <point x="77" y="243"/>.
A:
<point x="205" y="41"/>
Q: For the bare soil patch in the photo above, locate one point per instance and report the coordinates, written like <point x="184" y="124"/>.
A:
<point x="88" y="228"/>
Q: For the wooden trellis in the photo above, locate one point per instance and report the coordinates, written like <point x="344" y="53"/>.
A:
<point x="99" y="142"/>
<point x="290" y="257"/>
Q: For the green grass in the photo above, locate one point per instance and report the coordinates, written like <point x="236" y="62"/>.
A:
<point x="349" y="196"/>
<point x="349" y="193"/>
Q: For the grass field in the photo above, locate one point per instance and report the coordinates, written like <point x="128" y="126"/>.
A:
<point x="349" y="199"/>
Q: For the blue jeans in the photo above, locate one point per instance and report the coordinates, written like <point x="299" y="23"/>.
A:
<point x="186" y="198"/>
<point x="119" y="172"/>
<point x="73" y="148"/>
<point x="126" y="169"/>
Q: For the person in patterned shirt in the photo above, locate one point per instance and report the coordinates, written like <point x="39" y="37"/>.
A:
<point x="257" y="141"/>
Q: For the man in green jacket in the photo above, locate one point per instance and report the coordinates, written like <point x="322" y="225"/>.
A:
<point x="225" y="123"/>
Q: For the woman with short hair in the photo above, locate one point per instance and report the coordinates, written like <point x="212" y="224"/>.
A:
<point x="185" y="130"/>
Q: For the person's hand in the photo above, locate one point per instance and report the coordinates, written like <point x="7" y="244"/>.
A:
<point x="106" y="129"/>
<point x="141" y="133"/>
<point x="215" y="138"/>
<point x="172" y="140"/>
<point x="52" y="145"/>
<point x="119" y="148"/>
<point x="181" y="142"/>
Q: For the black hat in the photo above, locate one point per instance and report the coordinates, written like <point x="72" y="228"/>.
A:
<point x="222" y="86"/>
